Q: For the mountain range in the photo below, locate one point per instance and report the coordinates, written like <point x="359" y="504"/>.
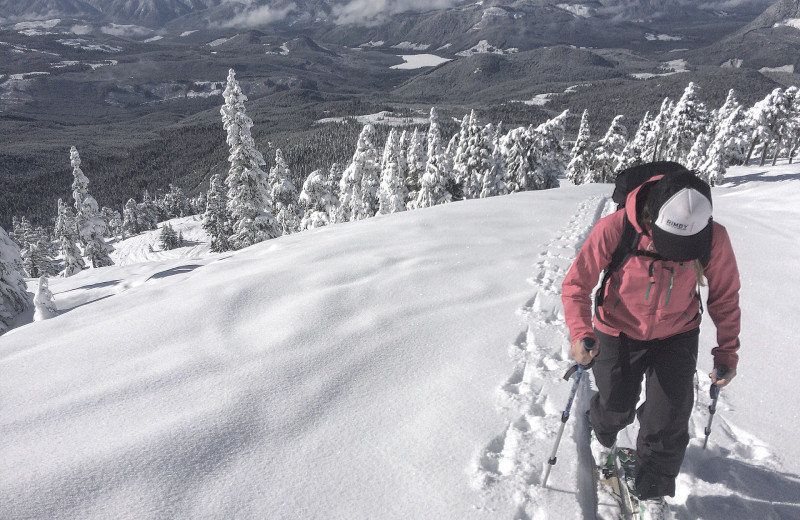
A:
<point x="136" y="84"/>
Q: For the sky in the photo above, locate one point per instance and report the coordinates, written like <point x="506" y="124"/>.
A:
<point x="404" y="366"/>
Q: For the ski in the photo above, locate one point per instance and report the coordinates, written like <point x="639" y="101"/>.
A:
<point x="614" y="500"/>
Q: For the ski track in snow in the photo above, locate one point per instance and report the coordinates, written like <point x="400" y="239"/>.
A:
<point x="737" y="477"/>
<point x="510" y="466"/>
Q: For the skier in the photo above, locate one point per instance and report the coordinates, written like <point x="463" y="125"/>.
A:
<point x="647" y="322"/>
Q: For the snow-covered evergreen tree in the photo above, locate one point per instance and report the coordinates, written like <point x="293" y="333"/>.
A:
<point x="168" y="238"/>
<point x="216" y="220"/>
<point x="148" y="213"/>
<point x="67" y="236"/>
<point x="548" y="157"/>
<point x="581" y="153"/>
<point x="318" y="200"/>
<point x="460" y="152"/>
<point x="90" y="225"/>
<point x="176" y="202"/>
<point x="791" y="131"/>
<point x="44" y="303"/>
<point x="634" y="152"/>
<point x="688" y="121"/>
<point x="608" y="153"/>
<point x="358" y="180"/>
<point x="283" y="195"/>
<point x="493" y="180"/>
<point x="433" y="183"/>
<point x="416" y="163"/>
<point x="392" y="191"/>
<point x="516" y="147"/>
<point x="130" y="218"/>
<point x="654" y="143"/>
<point x="36" y="250"/>
<point x="14" y="298"/>
<point x="252" y="222"/>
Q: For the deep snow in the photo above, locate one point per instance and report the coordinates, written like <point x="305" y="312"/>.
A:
<point x="406" y="366"/>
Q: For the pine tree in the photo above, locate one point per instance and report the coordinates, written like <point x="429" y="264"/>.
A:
<point x="283" y="195"/>
<point x="357" y="180"/>
<point x="581" y="154"/>
<point x="216" y="220"/>
<point x="634" y="152"/>
<point x="432" y="189"/>
<point x="67" y="236"/>
<point x="36" y="250"/>
<point x="654" y="147"/>
<point x="14" y="298"/>
<point x="608" y="152"/>
<point x="148" y="213"/>
<point x="176" y="202"/>
<point x="131" y="218"/>
<point x="688" y="121"/>
<point x="392" y="191"/>
<point x="791" y="131"/>
<point x="493" y="180"/>
<point x="416" y="162"/>
<point x="459" y="151"/>
<point x="91" y="227"/>
<point x="168" y="238"/>
<point x="44" y="303"/>
<point x="251" y="221"/>
<point x="548" y="156"/>
<point x="318" y="200"/>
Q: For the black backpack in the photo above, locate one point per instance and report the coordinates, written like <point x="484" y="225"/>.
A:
<point x="627" y="180"/>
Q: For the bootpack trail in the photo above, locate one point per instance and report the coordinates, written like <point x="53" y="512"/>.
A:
<point x="736" y="477"/>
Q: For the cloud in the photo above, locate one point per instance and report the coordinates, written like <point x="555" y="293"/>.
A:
<point x="258" y="16"/>
<point x="373" y="12"/>
<point x="126" y="31"/>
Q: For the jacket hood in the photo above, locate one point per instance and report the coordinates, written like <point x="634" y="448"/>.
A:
<point x="637" y="198"/>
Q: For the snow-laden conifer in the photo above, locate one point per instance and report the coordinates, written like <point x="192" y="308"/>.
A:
<point x="91" y="227"/>
<point x="44" y="302"/>
<point x="357" y="180"/>
<point x="416" y="163"/>
<point x="493" y="180"/>
<point x="548" y="157"/>
<point x="283" y="195"/>
<point x="460" y="153"/>
<point x="67" y="236"/>
<point x="13" y="291"/>
<point x="176" y="202"/>
<point x="318" y="200"/>
<point x="392" y="191"/>
<point x="433" y="183"/>
<point x="608" y="152"/>
<point x="516" y="146"/>
<point x="688" y="120"/>
<point x="168" y="238"/>
<point x="581" y="153"/>
<point x="36" y="249"/>
<point x="634" y="152"/>
<point x="252" y="222"/>
<point x="791" y="131"/>
<point x="654" y="143"/>
<point x="216" y="220"/>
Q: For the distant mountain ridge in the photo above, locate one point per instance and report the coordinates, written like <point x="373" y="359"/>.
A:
<point x="156" y="14"/>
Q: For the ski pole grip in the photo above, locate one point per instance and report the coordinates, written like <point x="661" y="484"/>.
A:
<point x="721" y="370"/>
<point x="589" y="343"/>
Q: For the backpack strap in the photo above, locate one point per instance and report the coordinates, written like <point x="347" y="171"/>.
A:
<point x="627" y="245"/>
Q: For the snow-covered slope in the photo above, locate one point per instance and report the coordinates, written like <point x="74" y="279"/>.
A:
<point x="405" y="366"/>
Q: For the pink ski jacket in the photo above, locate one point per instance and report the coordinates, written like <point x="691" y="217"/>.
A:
<point x="649" y="299"/>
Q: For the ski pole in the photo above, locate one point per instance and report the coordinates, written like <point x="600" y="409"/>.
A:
<point x="577" y="369"/>
<point x="721" y="371"/>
